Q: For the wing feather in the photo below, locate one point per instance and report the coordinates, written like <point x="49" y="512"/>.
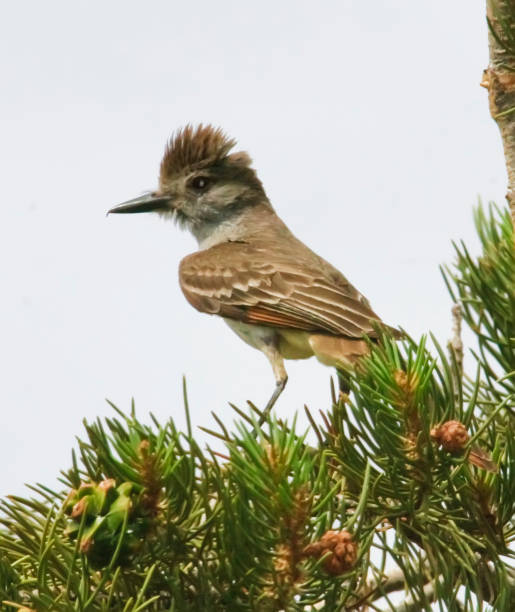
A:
<point x="252" y="284"/>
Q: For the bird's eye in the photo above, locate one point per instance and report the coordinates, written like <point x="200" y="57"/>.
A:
<point x="200" y="183"/>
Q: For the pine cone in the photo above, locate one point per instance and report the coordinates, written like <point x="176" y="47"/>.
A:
<point x="101" y="510"/>
<point x="342" y="548"/>
<point x="452" y="435"/>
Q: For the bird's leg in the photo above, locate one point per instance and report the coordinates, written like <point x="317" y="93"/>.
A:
<point x="279" y="386"/>
<point x="281" y="378"/>
<point x="343" y="381"/>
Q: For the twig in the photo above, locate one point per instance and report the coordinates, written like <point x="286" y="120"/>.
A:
<point x="391" y="582"/>
<point x="456" y="343"/>
<point x="409" y="605"/>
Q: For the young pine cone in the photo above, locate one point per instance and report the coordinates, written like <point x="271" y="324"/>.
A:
<point x="342" y="548"/>
<point x="453" y="437"/>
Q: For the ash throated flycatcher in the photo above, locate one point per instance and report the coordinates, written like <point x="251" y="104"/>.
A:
<point x="270" y="288"/>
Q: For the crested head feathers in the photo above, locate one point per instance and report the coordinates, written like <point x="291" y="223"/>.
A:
<point x="191" y="148"/>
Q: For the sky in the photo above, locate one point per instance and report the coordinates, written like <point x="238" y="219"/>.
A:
<point x="367" y="126"/>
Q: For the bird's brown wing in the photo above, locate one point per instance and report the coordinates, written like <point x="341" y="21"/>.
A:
<point x="248" y="283"/>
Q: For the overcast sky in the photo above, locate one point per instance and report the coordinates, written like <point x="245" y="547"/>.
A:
<point x="365" y="121"/>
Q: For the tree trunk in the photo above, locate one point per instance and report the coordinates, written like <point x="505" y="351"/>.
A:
<point x="499" y="79"/>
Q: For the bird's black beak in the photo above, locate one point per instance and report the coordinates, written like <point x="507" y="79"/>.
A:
<point x="145" y="203"/>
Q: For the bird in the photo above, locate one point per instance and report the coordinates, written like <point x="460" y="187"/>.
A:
<point x="277" y="294"/>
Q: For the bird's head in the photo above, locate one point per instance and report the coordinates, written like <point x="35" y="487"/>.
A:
<point x="201" y="183"/>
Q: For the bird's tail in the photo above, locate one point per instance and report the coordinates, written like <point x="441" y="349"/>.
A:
<point x="342" y="353"/>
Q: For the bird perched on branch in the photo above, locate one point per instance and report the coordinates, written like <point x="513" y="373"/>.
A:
<point x="270" y="288"/>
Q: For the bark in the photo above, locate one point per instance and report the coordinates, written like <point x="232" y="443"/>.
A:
<point x="499" y="79"/>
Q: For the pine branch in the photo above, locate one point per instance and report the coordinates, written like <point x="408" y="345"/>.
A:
<point x="415" y="465"/>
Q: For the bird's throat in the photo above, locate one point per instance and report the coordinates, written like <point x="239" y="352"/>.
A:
<point x="240" y="224"/>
